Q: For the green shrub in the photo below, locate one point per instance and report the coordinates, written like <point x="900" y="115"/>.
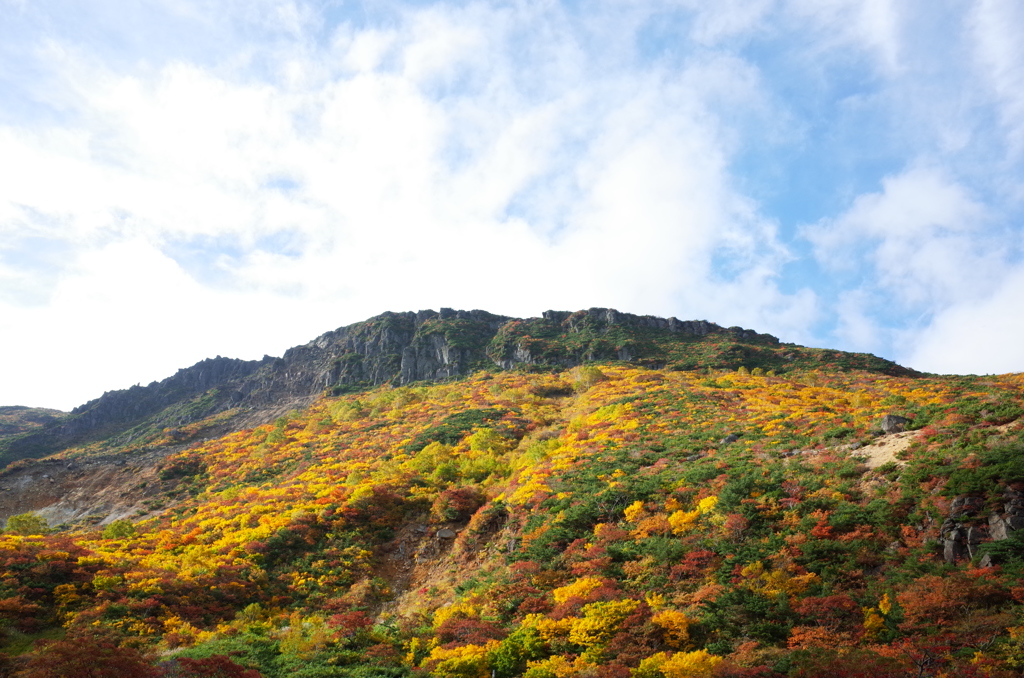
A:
<point x="586" y="376"/>
<point x="1003" y="463"/>
<point x="27" y="524"/>
<point x="119" y="529"/>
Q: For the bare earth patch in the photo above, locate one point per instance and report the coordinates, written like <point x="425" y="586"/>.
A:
<point x="886" y="448"/>
<point x="1010" y="426"/>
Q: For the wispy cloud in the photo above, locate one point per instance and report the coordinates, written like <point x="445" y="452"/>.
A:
<point x="995" y="25"/>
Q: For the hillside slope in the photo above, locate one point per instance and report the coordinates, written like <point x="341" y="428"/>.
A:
<point x="220" y="395"/>
<point x="604" y="520"/>
<point x="17" y="420"/>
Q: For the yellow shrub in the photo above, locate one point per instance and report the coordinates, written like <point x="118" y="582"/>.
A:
<point x="557" y="667"/>
<point x="873" y="621"/>
<point x="707" y="504"/>
<point x="550" y="629"/>
<point x="697" y="664"/>
<point x="676" y="625"/>
<point x="580" y="588"/>
<point x="454" y="611"/>
<point x="468" y="661"/>
<point x="655" y="600"/>
<point x="681" y="521"/>
<point x="885" y="605"/>
<point x="600" y="622"/>
<point x="634" y="511"/>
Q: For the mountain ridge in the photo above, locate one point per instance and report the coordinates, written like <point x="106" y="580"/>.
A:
<point x="402" y="348"/>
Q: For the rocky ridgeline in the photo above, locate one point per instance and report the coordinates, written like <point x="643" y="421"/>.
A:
<point x="398" y="348"/>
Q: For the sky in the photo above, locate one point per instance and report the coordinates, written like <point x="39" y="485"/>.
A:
<point x="181" y="179"/>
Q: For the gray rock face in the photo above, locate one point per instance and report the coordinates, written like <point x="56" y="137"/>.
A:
<point x="966" y="506"/>
<point x="1000" y="525"/>
<point x="966" y="528"/>
<point x="218" y="378"/>
<point x="892" y="423"/>
<point x="953" y="547"/>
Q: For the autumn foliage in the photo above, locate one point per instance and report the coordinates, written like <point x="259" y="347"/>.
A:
<point x="611" y="522"/>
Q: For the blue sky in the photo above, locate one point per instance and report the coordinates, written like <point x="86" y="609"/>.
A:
<point x="181" y="179"/>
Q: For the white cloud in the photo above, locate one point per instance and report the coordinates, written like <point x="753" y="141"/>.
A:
<point x="979" y="336"/>
<point x="872" y="25"/>
<point x="856" y="328"/>
<point x="922" y="234"/>
<point x="941" y="293"/>
<point x="407" y="168"/>
<point x="310" y="166"/>
<point x="122" y="314"/>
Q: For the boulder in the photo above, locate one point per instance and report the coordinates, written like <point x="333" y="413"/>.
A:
<point x="445" y="533"/>
<point x="892" y="423"/>
<point x="954" y="549"/>
<point x="999" y="528"/>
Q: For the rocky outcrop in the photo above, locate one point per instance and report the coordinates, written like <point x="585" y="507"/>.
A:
<point x="137" y="402"/>
<point x="400" y="348"/>
<point x="575" y="321"/>
<point x="966" y="527"/>
<point x="193" y="393"/>
<point x="393" y="347"/>
<point x="1011" y="518"/>
<point x="892" y="423"/>
<point x="960" y="534"/>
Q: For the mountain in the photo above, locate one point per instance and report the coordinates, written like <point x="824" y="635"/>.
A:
<point x="580" y="494"/>
<point x="17" y="420"/>
<point x="222" y="394"/>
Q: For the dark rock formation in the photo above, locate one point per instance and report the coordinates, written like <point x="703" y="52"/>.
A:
<point x="1011" y="518"/>
<point x="959" y="535"/>
<point x="966" y="527"/>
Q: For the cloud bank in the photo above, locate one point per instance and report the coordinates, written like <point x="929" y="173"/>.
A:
<point x="182" y="180"/>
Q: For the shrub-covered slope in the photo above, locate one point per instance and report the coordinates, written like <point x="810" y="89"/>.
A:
<point x="18" y="420"/>
<point x="610" y="520"/>
<point x="219" y="395"/>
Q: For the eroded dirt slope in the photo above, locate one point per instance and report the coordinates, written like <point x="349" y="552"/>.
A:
<point x="86" y="490"/>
